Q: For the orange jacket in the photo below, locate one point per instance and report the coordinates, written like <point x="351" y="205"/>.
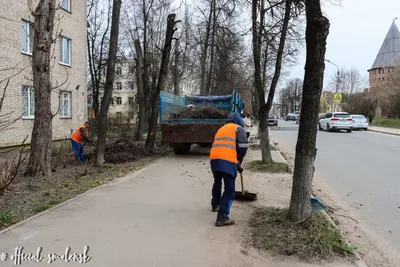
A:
<point x="224" y="146"/>
<point x="77" y="135"/>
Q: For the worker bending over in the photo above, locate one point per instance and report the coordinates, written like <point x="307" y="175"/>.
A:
<point x="78" y="137"/>
<point x="226" y="156"/>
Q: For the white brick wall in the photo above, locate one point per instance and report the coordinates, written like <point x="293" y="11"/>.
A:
<point x="72" y="25"/>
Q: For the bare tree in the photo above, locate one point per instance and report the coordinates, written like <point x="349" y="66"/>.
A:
<point x="99" y="19"/>
<point x="162" y="78"/>
<point x="316" y="34"/>
<point x="112" y="55"/>
<point x="141" y="99"/>
<point x="40" y="156"/>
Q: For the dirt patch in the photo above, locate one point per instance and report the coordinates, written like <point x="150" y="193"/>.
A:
<point x="274" y="167"/>
<point x="27" y="196"/>
<point x="258" y="147"/>
<point x="205" y="112"/>
<point x="311" y="240"/>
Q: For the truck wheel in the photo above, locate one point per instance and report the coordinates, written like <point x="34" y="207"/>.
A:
<point x="180" y="149"/>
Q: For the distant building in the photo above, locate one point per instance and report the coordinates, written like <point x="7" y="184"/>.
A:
<point x="386" y="63"/>
<point x="68" y="71"/>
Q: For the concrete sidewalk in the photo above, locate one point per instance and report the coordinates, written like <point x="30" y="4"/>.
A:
<point x="384" y="130"/>
<point x="158" y="216"/>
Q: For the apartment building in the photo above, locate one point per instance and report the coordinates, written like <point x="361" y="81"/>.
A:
<point x="69" y="68"/>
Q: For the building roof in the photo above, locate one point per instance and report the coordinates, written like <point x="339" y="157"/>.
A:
<point x="390" y="49"/>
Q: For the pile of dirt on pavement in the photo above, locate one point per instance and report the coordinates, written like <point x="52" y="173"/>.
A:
<point x="122" y="151"/>
<point x="199" y="113"/>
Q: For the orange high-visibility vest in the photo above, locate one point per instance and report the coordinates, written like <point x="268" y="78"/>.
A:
<point x="224" y="146"/>
<point x="77" y="136"/>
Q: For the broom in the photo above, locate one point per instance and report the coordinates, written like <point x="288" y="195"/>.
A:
<point x="244" y="195"/>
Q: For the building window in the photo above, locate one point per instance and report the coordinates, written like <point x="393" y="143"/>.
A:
<point x="383" y="78"/>
<point x="118" y="70"/>
<point x="66" y="5"/>
<point x="119" y="100"/>
<point x="119" y="85"/>
<point x="131" y="69"/>
<point x="112" y="101"/>
<point x="65" y="50"/>
<point x="131" y="85"/>
<point x="131" y="101"/>
<point x="26" y="37"/>
<point x="28" y="102"/>
<point x="65" y="105"/>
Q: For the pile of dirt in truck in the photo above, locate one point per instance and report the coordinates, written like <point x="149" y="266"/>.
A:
<point x="199" y="113"/>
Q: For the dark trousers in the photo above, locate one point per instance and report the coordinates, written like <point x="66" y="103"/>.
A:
<point x="78" y="149"/>
<point x="224" y="202"/>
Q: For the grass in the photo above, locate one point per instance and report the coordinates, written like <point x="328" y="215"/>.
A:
<point x="386" y="122"/>
<point x="310" y="240"/>
<point x="275" y="167"/>
<point x="5" y="217"/>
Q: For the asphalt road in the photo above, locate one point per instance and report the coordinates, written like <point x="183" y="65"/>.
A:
<point x="363" y="168"/>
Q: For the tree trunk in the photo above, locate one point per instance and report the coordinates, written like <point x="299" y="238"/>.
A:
<point x="264" y="135"/>
<point x="142" y="103"/>
<point x="40" y="156"/>
<point x="316" y="34"/>
<point x="162" y="78"/>
<point x="108" y="90"/>
<point x="208" y="89"/>
<point x="203" y="57"/>
<point x="176" y="74"/>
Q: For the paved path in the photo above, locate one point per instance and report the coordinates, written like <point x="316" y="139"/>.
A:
<point x="363" y="168"/>
<point x="159" y="216"/>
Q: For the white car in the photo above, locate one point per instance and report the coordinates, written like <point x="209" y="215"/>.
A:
<point x="360" y="122"/>
<point x="336" y="121"/>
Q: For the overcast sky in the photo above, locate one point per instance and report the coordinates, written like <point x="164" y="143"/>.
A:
<point x="357" y="31"/>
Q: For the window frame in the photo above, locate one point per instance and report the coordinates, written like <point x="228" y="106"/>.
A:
<point x="29" y="102"/>
<point x="29" y="39"/>
<point x="131" y="99"/>
<point x="61" y="48"/>
<point x="131" y="85"/>
<point x="118" y="70"/>
<point x="62" y="93"/>
<point x="119" y="99"/>
<point x="69" y="5"/>
<point x="116" y="86"/>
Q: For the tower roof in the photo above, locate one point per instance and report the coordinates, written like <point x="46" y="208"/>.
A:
<point x="390" y="49"/>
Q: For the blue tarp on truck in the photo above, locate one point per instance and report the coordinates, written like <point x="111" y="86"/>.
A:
<point x="171" y="103"/>
<point x="182" y="133"/>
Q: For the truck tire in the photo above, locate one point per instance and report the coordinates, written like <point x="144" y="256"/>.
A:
<point x="181" y="149"/>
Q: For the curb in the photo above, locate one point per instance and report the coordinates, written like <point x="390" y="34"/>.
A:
<point x="382" y="132"/>
<point x="359" y="262"/>
<point x="115" y="181"/>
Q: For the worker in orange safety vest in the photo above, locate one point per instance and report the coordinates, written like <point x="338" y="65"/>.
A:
<point x="78" y="137"/>
<point x="226" y="156"/>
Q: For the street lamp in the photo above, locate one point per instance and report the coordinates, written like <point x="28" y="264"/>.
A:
<point x="337" y="82"/>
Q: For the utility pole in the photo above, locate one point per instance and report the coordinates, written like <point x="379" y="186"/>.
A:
<point x="337" y="83"/>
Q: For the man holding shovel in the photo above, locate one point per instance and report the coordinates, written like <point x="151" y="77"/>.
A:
<point x="79" y="135"/>
<point x="226" y="156"/>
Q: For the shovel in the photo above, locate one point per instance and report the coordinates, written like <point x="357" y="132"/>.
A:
<point x="244" y="195"/>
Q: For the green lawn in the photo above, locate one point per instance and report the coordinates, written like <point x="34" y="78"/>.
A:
<point x="386" y="122"/>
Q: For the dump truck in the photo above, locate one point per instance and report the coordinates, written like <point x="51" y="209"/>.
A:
<point x="181" y="134"/>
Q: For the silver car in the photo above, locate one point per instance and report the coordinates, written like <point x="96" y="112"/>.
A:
<point x="360" y="122"/>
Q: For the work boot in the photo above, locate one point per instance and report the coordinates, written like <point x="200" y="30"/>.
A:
<point x="223" y="221"/>
<point x="215" y="209"/>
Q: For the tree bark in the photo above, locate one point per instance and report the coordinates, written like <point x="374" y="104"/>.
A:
<point x="203" y="57"/>
<point x="316" y="34"/>
<point x="162" y="78"/>
<point x="142" y="103"/>
<point x="108" y="90"/>
<point x="40" y="156"/>
<point x="176" y="74"/>
<point x="208" y="89"/>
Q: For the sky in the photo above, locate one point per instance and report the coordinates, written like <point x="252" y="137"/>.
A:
<point x="357" y="31"/>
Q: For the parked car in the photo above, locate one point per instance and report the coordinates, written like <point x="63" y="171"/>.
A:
<point x="290" y="117"/>
<point x="336" y="121"/>
<point x="272" y="119"/>
<point x="320" y="116"/>
<point x="360" y="122"/>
